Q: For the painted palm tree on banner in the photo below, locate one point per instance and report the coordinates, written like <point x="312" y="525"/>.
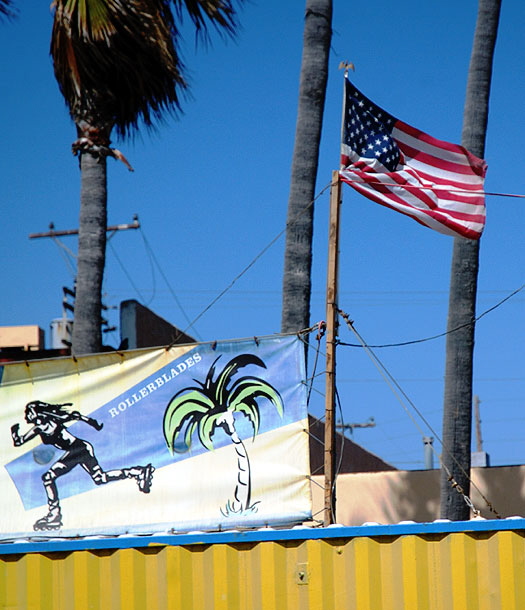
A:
<point x="117" y="66"/>
<point x="212" y="405"/>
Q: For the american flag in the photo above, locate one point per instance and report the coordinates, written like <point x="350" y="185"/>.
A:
<point x="438" y="184"/>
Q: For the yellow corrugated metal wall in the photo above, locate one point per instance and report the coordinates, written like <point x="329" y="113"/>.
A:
<point x="454" y="571"/>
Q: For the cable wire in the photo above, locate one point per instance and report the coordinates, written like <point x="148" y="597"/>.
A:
<point x="396" y="390"/>
<point x="256" y="258"/>
<point x="172" y="292"/>
<point x="125" y="271"/>
<point x="443" y="334"/>
<point x="432" y="187"/>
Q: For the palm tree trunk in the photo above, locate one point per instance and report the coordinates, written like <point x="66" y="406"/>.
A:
<point x="242" y="494"/>
<point x="457" y="409"/>
<point x="87" y="335"/>
<point x="312" y="91"/>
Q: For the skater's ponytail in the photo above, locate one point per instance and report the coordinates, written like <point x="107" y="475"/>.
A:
<point x="48" y="409"/>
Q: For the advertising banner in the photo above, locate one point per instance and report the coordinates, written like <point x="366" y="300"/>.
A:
<point x="201" y="436"/>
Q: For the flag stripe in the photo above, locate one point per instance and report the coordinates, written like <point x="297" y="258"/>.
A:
<point x="425" y="139"/>
<point x="468" y="199"/>
<point x="416" y="199"/>
<point x="406" y="190"/>
<point x="413" y="182"/>
<point x="462" y="197"/>
<point x="461" y="154"/>
<point x="411" y="143"/>
<point x="437" y="183"/>
<point x="461" y="165"/>
<point x="413" y="198"/>
<point x="432" y="218"/>
<point x="445" y="179"/>
<point x="438" y="163"/>
<point x="440" y="223"/>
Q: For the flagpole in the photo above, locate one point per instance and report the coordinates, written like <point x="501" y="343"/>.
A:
<point x="331" y="336"/>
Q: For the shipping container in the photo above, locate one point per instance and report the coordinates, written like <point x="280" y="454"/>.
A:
<point x="441" y="565"/>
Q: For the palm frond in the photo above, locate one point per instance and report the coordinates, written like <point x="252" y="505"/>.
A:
<point x="116" y="62"/>
<point x="244" y="396"/>
<point x="90" y="18"/>
<point x="250" y="408"/>
<point x="209" y="384"/>
<point x="207" y="427"/>
<point x="6" y="9"/>
<point x="190" y="429"/>
<point x="219" y="13"/>
<point x="231" y="369"/>
<point x="186" y="408"/>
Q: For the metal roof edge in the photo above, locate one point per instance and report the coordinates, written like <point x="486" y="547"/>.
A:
<point x="298" y="533"/>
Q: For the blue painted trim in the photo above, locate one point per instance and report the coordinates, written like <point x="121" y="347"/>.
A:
<point x="46" y="545"/>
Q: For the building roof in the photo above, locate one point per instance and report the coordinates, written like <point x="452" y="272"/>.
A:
<point x="350" y="456"/>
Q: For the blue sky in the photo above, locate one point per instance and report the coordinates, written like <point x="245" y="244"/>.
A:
<point x="211" y="190"/>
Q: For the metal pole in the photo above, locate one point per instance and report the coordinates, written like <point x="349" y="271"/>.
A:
<point x="331" y="336"/>
<point x="428" y="442"/>
<point x="479" y="440"/>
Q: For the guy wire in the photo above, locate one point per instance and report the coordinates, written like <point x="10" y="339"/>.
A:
<point x="392" y="382"/>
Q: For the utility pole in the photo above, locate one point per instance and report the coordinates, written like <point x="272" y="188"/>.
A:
<point x="112" y="229"/>
<point x="62" y="327"/>
<point x="368" y="424"/>
<point x="332" y="315"/>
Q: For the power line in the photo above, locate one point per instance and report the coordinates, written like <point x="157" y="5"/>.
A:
<point x="125" y="271"/>
<point x="151" y="252"/>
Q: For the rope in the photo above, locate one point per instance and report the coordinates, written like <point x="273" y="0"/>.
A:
<point x="434" y="187"/>
<point x="89" y="145"/>
<point x="321" y="329"/>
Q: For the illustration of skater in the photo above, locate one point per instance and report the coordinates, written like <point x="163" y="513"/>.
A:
<point x="48" y="421"/>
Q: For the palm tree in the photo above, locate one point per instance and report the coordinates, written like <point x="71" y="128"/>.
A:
<point x="457" y="410"/>
<point x="117" y="65"/>
<point x="5" y="8"/>
<point x="212" y="405"/>
<point x="299" y="228"/>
